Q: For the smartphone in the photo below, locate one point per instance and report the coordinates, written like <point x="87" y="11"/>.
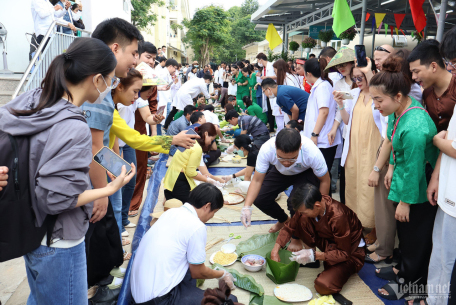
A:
<point x="346" y="95"/>
<point x="111" y="161"/>
<point x="161" y="109"/>
<point x="189" y="131"/>
<point x="360" y="52"/>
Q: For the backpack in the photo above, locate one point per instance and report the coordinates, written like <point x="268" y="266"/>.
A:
<point x="17" y="218"/>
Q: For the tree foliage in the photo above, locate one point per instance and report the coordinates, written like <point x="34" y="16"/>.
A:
<point x="141" y="16"/>
<point x="208" y="29"/>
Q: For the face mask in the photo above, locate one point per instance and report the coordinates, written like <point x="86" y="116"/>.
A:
<point x="103" y="94"/>
<point x="240" y="153"/>
<point x="260" y="64"/>
<point x="271" y="96"/>
<point x="196" y="66"/>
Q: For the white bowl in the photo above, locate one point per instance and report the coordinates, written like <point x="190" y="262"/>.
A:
<point x="228" y="248"/>
<point x="252" y="268"/>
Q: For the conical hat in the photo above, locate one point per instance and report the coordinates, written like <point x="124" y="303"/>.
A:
<point x="169" y="204"/>
<point x="342" y="56"/>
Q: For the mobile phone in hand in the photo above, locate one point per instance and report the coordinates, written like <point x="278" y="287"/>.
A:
<point x="111" y="161"/>
<point x="360" y="52"/>
<point x="161" y="110"/>
<point x="346" y="95"/>
<point x="189" y="131"/>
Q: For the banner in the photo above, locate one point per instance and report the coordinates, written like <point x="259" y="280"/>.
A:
<point x="273" y="37"/>
<point x="419" y="18"/>
<point x="379" y="18"/>
<point x="399" y="18"/>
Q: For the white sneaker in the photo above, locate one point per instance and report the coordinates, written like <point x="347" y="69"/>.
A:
<point x="130" y="225"/>
<point x="125" y="234"/>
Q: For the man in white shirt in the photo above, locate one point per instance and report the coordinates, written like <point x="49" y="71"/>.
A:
<point x="187" y="93"/>
<point x="164" y="97"/>
<point x="171" y="255"/>
<point x="43" y="14"/>
<point x="285" y="160"/>
<point x="268" y="72"/>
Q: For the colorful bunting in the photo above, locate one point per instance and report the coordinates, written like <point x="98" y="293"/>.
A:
<point x="342" y="17"/>
<point x="386" y="29"/>
<point x="379" y="18"/>
<point x="378" y="31"/>
<point x="419" y="18"/>
<point x="391" y="29"/>
<point x="397" y="33"/>
<point x="399" y="18"/>
<point x="373" y="24"/>
<point x="367" y="16"/>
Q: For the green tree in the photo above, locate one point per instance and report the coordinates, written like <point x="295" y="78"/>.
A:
<point x="208" y="29"/>
<point x="141" y="16"/>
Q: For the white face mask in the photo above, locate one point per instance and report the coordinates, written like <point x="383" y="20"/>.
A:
<point x="260" y="64"/>
<point x="103" y="94"/>
<point x="272" y="95"/>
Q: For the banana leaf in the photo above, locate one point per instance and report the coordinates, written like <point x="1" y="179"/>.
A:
<point x="199" y="282"/>
<point x="283" y="272"/>
<point x="260" y="244"/>
<point x="243" y="281"/>
<point x="264" y="300"/>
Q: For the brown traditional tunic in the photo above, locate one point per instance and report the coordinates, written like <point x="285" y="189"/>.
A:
<point x="338" y="234"/>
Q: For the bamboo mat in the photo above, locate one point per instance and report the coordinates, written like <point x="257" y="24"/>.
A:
<point x="221" y="164"/>
<point x="227" y="215"/>
<point x="354" y="290"/>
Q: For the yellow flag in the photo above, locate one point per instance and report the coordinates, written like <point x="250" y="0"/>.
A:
<point x="273" y="37"/>
<point x="397" y="33"/>
<point x="379" y="18"/>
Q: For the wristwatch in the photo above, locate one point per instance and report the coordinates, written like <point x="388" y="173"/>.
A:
<point x="376" y="169"/>
<point x="234" y="175"/>
<point x="315" y="134"/>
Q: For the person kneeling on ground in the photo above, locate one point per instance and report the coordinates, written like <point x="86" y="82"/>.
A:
<point x="322" y="222"/>
<point x="171" y="255"/>
<point x="249" y="125"/>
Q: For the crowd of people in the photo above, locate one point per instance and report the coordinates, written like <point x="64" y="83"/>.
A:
<point x="384" y="130"/>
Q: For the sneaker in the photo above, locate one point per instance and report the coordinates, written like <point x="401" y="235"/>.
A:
<point x="125" y="234"/>
<point x="130" y="225"/>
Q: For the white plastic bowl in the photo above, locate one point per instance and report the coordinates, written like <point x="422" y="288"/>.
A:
<point x="252" y="268"/>
<point x="228" y="248"/>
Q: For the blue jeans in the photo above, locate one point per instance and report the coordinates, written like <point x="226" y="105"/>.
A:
<point x="129" y="155"/>
<point x="159" y="129"/>
<point x="57" y="276"/>
<point x="116" y="202"/>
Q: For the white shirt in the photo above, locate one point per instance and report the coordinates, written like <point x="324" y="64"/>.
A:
<point x="211" y="117"/>
<point x="309" y="157"/>
<point x="335" y="76"/>
<point x="269" y="71"/>
<point x="164" y="97"/>
<point x="166" y="251"/>
<point x="232" y="89"/>
<point x="191" y="75"/>
<point x="447" y="178"/>
<point x="321" y="96"/>
<point x="341" y="85"/>
<point x="43" y="15"/>
<point x="128" y="113"/>
<point x="188" y="91"/>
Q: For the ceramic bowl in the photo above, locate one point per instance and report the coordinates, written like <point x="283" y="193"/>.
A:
<point x="252" y="268"/>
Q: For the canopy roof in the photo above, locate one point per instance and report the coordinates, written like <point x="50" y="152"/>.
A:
<point x="300" y="15"/>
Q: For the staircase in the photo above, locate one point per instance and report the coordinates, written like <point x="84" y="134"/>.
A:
<point x="8" y="83"/>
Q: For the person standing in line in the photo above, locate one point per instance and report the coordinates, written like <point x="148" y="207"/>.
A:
<point x="267" y="72"/>
<point x="321" y="109"/>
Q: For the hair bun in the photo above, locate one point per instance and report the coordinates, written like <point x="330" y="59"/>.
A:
<point x="392" y="64"/>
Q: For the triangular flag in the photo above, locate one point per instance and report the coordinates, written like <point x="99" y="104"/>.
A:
<point x="386" y="29"/>
<point x="381" y="24"/>
<point x="373" y="24"/>
<point x="419" y="18"/>
<point x="397" y="33"/>
<point x="367" y="16"/>
<point x="399" y="18"/>
<point x="379" y="18"/>
<point x="391" y="30"/>
<point x="273" y="37"/>
<point x="413" y="34"/>
<point x="343" y="17"/>
<point x="402" y="32"/>
<point x="437" y="17"/>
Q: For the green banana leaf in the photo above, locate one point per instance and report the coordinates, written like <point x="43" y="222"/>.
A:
<point x="283" y="272"/>
<point x="264" y="300"/>
<point x="243" y="281"/>
<point x="199" y="282"/>
<point x="260" y="244"/>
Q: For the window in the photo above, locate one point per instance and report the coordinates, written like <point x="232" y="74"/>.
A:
<point x="336" y="44"/>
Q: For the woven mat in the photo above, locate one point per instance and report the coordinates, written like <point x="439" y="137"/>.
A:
<point x="227" y="215"/>
<point x="221" y="164"/>
<point x="354" y="290"/>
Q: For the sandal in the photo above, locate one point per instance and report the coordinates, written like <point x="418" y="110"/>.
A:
<point x="417" y="302"/>
<point x="370" y="260"/>
<point x="393" y="291"/>
<point x="133" y="213"/>
<point x="126" y="256"/>
<point x="386" y="273"/>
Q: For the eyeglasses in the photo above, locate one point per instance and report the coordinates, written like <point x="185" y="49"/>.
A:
<point x="449" y="63"/>
<point x="357" y="79"/>
<point x="379" y="48"/>
<point x="343" y="65"/>
<point x="115" y="81"/>
<point x="287" y="160"/>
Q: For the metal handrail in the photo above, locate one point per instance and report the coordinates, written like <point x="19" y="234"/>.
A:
<point x="38" y="52"/>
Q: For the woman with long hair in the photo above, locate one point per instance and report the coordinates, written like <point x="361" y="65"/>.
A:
<point x="409" y="150"/>
<point x="284" y="77"/>
<point x="181" y="174"/>
<point x="192" y="73"/>
<point x="60" y="156"/>
<point x="321" y="109"/>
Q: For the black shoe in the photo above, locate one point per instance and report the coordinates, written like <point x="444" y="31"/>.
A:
<point x="314" y="265"/>
<point x="106" y="281"/>
<point x="105" y="296"/>
<point x="341" y="299"/>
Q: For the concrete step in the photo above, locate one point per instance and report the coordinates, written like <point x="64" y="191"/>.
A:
<point x="5" y="97"/>
<point x="9" y="83"/>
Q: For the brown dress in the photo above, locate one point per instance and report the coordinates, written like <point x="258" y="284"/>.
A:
<point x="338" y="234"/>
<point x="365" y="139"/>
<point x="141" y="156"/>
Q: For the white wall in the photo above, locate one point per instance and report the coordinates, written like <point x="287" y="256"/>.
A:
<point x="16" y="16"/>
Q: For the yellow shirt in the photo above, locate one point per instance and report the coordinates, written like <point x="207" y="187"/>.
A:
<point x="134" y="139"/>
<point x="187" y="161"/>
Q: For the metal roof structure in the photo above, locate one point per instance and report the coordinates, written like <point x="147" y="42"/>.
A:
<point x="295" y="15"/>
